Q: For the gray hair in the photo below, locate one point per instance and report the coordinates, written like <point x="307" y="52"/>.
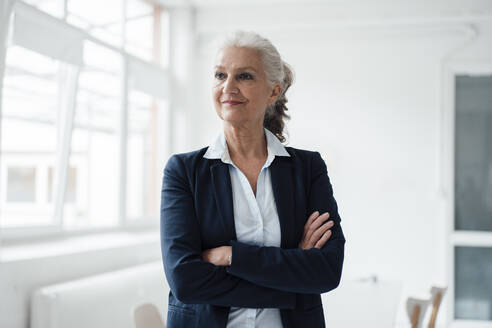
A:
<point x="276" y="70"/>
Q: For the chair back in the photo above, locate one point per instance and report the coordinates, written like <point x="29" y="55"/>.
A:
<point x="147" y="316"/>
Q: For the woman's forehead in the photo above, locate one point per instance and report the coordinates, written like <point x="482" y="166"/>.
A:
<point x="242" y="68"/>
<point x="238" y="58"/>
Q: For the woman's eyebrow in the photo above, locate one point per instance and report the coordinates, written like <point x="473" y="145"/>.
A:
<point x="239" y="68"/>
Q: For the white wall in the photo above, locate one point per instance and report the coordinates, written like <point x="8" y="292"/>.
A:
<point x="368" y="95"/>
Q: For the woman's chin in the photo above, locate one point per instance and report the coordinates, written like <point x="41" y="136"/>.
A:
<point x="232" y="115"/>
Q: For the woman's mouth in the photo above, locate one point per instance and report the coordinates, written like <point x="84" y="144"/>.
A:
<point x="232" y="102"/>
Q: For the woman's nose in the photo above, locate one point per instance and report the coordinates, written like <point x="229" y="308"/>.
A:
<point x="230" y="86"/>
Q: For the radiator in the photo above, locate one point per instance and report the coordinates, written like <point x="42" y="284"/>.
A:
<point x="105" y="300"/>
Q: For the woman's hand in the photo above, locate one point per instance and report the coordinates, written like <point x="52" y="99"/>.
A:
<point x="218" y="256"/>
<point x="315" y="235"/>
<point x="315" y="232"/>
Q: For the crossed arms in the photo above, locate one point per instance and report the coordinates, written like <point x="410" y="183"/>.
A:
<point x="259" y="277"/>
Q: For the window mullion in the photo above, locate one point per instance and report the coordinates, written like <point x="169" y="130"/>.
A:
<point x="5" y="17"/>
<point x="65" y="10"/>
<point x="123" y="142"/>
<point x="472" y="238"/>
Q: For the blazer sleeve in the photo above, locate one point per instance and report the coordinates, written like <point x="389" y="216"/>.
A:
<point x="312" y="271"/>
<point x="191" y="279"/>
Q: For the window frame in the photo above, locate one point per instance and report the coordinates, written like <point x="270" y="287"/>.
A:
<point x="456" y="238"/>
<point x="29" y="233"/>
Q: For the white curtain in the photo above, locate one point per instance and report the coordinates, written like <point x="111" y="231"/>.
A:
<point x="37" y="31"/>
<point x="68" y="82"/>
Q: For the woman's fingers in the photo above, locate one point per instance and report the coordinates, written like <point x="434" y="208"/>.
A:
<point x="319" y="221"/>
<point x="315" y="230"/>
<point x="310" y="220"/>
<point x="217" y="256"/>
<point x="316" y="224"/>
<point x="323" y="239"/>
<point x="318" y="234"/>
<point x="312" y="217"/>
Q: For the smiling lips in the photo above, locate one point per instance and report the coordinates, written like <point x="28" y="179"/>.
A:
<point x="232" y="102"/>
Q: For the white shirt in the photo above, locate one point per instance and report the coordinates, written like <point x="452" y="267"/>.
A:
<point x="255" y="219"/>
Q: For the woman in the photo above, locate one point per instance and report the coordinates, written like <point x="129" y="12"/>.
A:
<point x="245" y="235"/>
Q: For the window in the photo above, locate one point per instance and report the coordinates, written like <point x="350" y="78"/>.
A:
<point x="473" y="283"/>
<point x="21" y="184"/>
<point x="101" y="19"/>
<point x="81" y="115"/>
<point x="52" y="7"/>
<point x="473" y="153"/>
<point x="142" y="29"/>
<point x="145" y="113"/>
<point x="31" y="90"/>
<point x="472" y="227"/>
<point x="95" y="143"/>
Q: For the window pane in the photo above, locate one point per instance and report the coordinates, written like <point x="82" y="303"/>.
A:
<point x="93" y="186"/>
<point x="30" y="88"/>
<point x="21" y="184"/>
<point x="473" y="272"/>
<point x="30" y="103"/>
<point x="140" y="29"/>
<point x="52" y="7"/>
<point x="71" y="184"/>
<point x="102" y="19"/>
<point x="142" y="173"/>
<point x="71" y="192"/>
<point x="473" y="189"/>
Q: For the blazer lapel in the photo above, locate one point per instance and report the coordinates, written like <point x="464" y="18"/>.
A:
<point x="221" y="181"/>
<point x="283" y="190"/>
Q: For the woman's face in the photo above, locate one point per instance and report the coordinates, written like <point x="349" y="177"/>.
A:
<point x="241" y="91"/>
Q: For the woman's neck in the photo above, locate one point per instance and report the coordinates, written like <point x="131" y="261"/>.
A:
<point x="246" y="142"/>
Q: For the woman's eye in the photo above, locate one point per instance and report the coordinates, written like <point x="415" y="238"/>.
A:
<point x="219" y="75"/>
<point x="245" y="76"/>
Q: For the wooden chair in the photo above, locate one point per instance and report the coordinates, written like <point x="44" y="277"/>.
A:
<point x="147" y="316"/>
<point x="416" y="308"/>
<point x="436" y="297"/>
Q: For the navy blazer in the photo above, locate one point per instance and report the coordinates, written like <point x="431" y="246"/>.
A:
<point x="197" y="214"/>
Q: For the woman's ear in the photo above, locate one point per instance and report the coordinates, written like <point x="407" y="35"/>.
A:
<point x="277" y="89"/>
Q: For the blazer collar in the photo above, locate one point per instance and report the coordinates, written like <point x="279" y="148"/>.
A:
<point x="219" y="150"/>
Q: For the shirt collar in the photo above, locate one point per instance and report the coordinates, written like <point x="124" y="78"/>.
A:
<point x="219" y="150"/>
